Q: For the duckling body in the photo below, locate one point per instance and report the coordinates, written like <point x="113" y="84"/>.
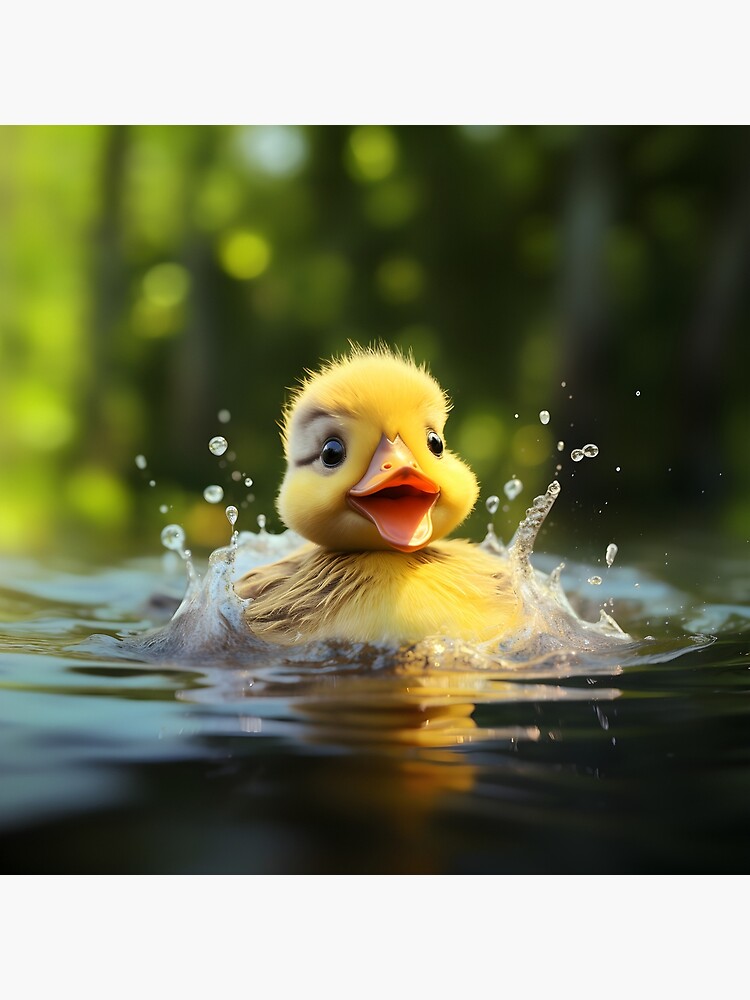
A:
<point x="451" y="588"/>
<point x="372" y="486"/>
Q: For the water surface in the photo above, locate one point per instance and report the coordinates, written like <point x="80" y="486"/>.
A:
<point x="633" y="761"/>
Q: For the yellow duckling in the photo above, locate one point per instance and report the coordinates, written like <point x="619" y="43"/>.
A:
<point x="371" y="484"/>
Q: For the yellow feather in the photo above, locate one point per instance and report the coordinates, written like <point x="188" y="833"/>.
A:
<point x="352" y="584"/>
<point x="451" y="589"/>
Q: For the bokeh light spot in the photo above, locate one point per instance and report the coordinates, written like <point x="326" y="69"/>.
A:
<point x="97" y="495"/>
<point x="481" y="436"/>
<point x="371" y="152"/>
<point x="166" y="285"/>
<point x="538" y="354"/>
<point x="205" y="524"/>
<point x="481" y="133"/>
<point x="400" y="279"/>
<point x="392" y="203"/>
<point x="219" y="200"/>
<point x="278" y="150"/>
<point x="531" y="445"/>
<point x="38" y="418"/>
<point x="244" y="254"/>
<point x="152" y="321"/>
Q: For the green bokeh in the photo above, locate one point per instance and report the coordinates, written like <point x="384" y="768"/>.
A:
<point x="153" y="276"/>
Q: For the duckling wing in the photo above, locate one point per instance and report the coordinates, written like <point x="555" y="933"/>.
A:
<point x="263" y="579"/>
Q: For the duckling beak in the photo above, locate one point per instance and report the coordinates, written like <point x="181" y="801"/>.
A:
<point x="396" y="496"/>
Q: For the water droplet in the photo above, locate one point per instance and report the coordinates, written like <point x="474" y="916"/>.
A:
<point x="152" y="482"/>
<point x="595" y="580"/>
<point x="554" y="488"/>
<point x="224" y="416"/>
<point x="492" y="503"/>
<point x="163" y="509"/>
<point x="577" y="455"/>
<point x="560" y="445"/>
<point x="140" y="461"/>
<point x="232" y="514"/>
<point x="515" y="415"/>
<point x="213" y="494"/>
<point x="248" y="481"/>
<point x="563" y="385"/>
<point x="236" y="475"/>
<point x="637" y="392"/>
<point x="590" y="450"/>
<point x="261" y="521"/>
<point x="217" y="445"/>
<point x="611" y="553"/>
<point x="173" y="537"/>
<point x="512" y="488"/>
<point x="544" y="416"/>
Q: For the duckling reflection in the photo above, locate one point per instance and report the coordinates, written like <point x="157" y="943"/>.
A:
<point x="363" y="700"/>
<point x="412" y="709"/>
<point x="408" y="730"/>
<point x="404" y="738"/>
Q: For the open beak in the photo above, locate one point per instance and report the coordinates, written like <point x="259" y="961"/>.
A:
<point x="396" y="496"/>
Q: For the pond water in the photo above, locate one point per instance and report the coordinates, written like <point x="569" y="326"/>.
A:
<point x="632" y="760"/>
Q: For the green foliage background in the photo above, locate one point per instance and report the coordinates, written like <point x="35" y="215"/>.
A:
<point x="151" y="276"/>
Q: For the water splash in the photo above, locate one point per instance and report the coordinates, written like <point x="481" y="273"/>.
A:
<point x="173" y="538"/>
<point x="552" y="640"/>
<point x="512" y="488"/>
<point x="522" y="543"/>
<point x="218" y="445"/>
<point x="232" y="514"/>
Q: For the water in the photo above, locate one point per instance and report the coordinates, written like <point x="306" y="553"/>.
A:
<point x="217" y="445"/>
<point x="632" y="758"/>
<point x="512" y="488"/>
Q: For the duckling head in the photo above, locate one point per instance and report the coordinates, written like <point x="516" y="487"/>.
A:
<point x="367" y="465"/>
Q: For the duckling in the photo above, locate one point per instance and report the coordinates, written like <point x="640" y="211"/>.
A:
<point x="372" y="486"/>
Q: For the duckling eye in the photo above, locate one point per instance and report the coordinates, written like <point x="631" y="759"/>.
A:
<point x="435" y="443"/>
<point x="332" y="453"/>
